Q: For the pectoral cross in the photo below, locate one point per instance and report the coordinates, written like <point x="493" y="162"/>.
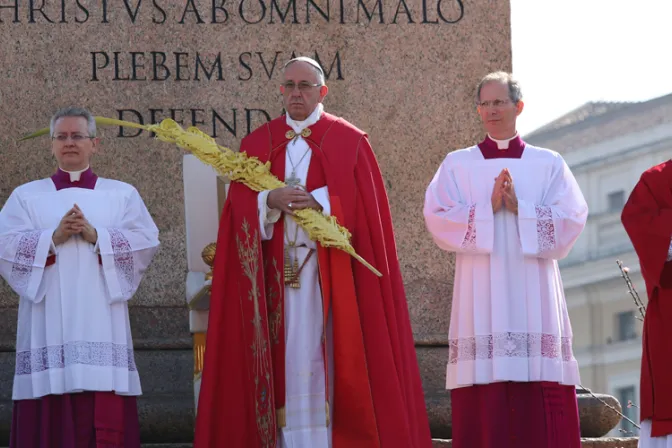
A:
<point x="293" y="180"/>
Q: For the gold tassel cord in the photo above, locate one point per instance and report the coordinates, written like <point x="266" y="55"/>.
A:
<point x="281" y="417"/>
<point x="199" y="352"/>
<point x="238" y="167"/>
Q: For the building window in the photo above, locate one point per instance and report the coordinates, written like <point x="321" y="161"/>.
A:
<point x="626" y="395"/>
<point x="625" y="325"/>
<point x="616" y="200"/>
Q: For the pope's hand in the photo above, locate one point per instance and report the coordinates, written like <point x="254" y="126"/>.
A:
<point x="290" y="199"/>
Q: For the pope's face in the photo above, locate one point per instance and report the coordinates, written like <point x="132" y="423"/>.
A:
<point x="71" y="143"/>
<point x="300" y="94"/>
<point x="497" y="111"/>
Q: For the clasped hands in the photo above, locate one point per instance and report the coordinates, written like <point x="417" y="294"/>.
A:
<point x="74" y="223"/>
<point x="504" y="194"/>
<point x="290" y="199"/>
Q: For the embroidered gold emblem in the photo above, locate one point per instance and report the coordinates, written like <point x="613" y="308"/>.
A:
<point x="248" y="248"/>
<point x="291" y="134"/>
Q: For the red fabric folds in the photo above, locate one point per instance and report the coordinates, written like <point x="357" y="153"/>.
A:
<point x="378" y="398"/>
<point x="108" y="419"/>
<point x="80" y="420"/>
<point x="515" y="415"/>
<point x="647" y="218"/>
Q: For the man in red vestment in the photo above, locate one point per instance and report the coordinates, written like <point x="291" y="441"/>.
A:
<point x="307" y="348"/>
<point x="510" y="370"/>
<point x="647" y="218"/>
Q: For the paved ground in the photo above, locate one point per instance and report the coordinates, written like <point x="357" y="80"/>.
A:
<point x="605" y="442"/>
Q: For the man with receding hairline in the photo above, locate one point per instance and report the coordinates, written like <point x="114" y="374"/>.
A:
<point x="510" y="211"/>
<point x="329" y="361"/>
<point x="75" y="248"/>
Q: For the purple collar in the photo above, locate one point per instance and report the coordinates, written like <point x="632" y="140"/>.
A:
<point x="86" y="180"/>
<point x="490" y="150"/>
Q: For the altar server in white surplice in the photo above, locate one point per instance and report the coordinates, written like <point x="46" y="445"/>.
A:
<point x="510" y="211"/>
<point x="75" y="247"/>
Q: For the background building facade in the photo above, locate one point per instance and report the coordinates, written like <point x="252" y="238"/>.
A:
<point x="607" y="146"/>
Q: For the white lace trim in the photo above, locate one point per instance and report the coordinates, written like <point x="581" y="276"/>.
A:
<point x="101" y="354"/>
<point x="545" y="228"/>
<point x="123" y="261"/>
<point x="469" y="242"/>
<point x="510" y="345"/>
<point x="23" y="261"/>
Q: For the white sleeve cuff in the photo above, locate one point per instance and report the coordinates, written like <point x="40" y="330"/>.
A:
<point x="321" y="195"/>
<point x="527" y="210"/>
<point x="484" y="224"/>
<point x="52" y="247"/>
<point x="527" y="227"/>
<point x="266" y="215"/>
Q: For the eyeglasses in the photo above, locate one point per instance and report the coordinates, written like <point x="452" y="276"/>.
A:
<point x="304" y="86"/>
<point x="493" y="103"/>
<point x="75" y="137"/>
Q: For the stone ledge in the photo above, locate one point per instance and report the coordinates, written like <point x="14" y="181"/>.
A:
<point x="153" y="328"/>
<point x="167" y="445"/>
<point x="162" y="372"/>
<point x="604" y="442"/>
<point x="162" y="445"/>
<point x="611" y="442"/>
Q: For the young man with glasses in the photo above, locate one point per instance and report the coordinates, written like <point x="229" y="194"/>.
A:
<point x="327" y="359"/>
<point x="75" y="247"/>
<point x="510" y="211"/>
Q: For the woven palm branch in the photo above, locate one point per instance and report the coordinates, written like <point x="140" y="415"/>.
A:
<point x="247" y="170"/>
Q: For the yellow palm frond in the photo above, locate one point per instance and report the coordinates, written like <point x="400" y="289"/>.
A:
<point x="41" y="132"/>
<point x="103" y="121"/>
<point x="249" y="171"/>
<point x="257" y="176"/>
<point x="100" y="121"/>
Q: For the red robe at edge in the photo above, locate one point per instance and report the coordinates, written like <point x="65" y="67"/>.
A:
<point x="647" y="217"/>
